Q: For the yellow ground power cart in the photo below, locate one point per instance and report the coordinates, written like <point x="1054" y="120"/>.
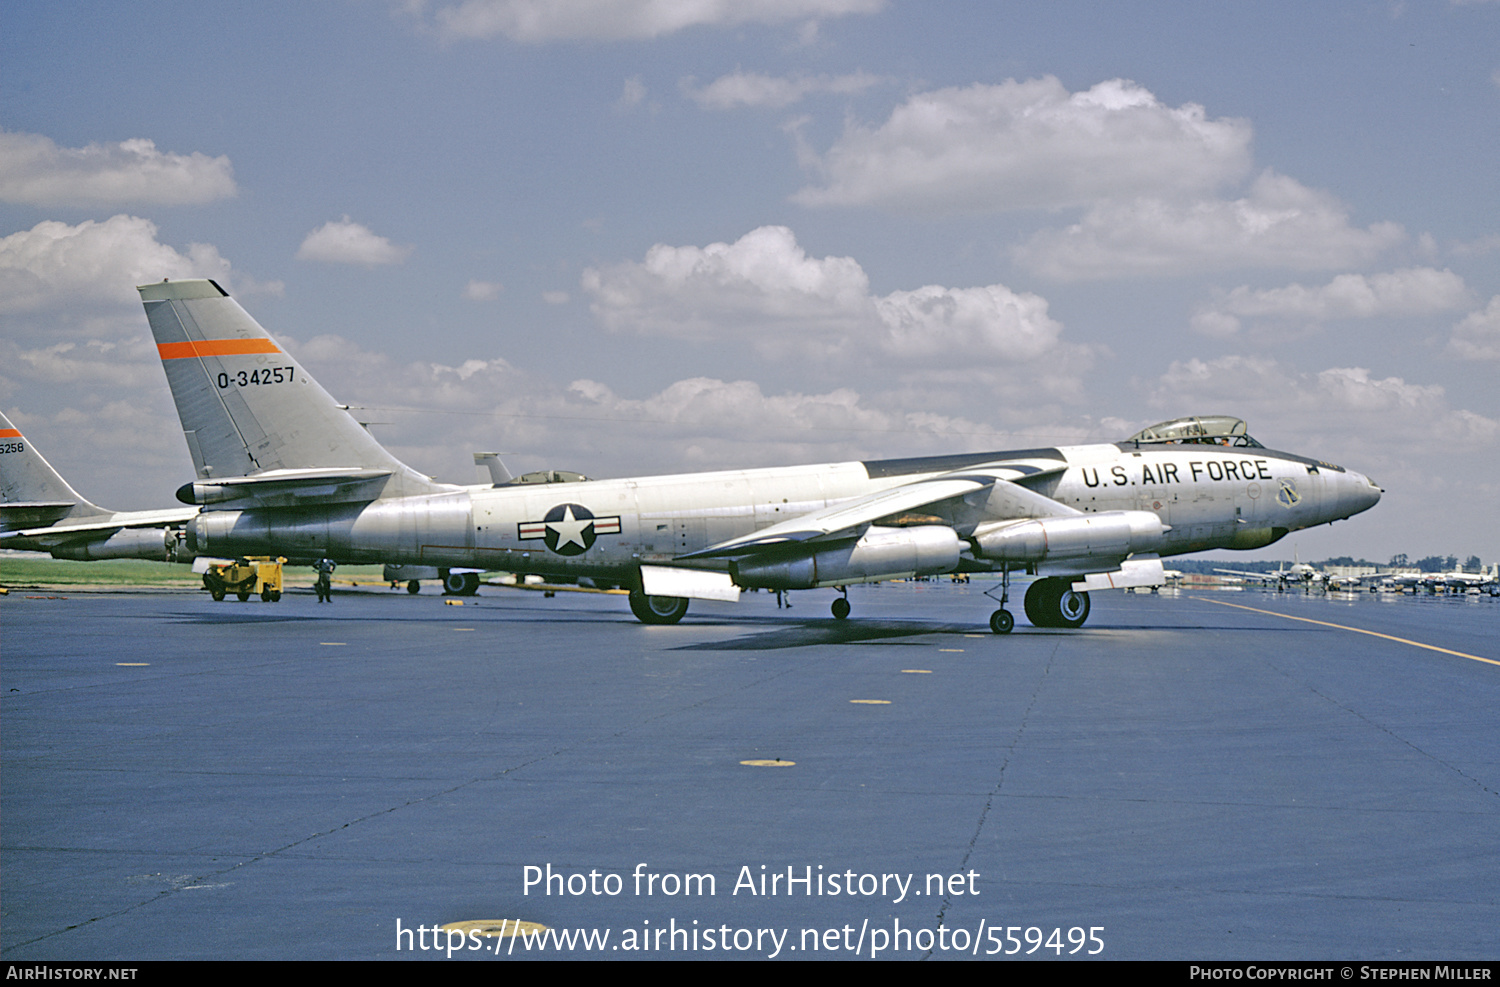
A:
<point x="255" y="574"/>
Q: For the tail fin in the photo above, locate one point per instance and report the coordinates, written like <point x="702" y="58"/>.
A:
<point x="31" y="491"/>
<point x="248" y="408"/>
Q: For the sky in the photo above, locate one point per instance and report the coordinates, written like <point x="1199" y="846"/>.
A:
<point x="630" y="237"/>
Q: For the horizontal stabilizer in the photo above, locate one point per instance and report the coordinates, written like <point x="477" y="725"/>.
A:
<point x="289" y="488"/>
<point x="57" y="533"/>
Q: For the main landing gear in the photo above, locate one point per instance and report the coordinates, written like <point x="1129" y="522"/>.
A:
<point x="840" y="606"/>
<point x="1050" y="602"/>
<point x="457" y="583"/>
<point x="657" y="609"/>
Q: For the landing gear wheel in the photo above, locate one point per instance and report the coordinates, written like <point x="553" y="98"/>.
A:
<point x="1052" y="602"/>
<point x="414" y="587"/>
<point x="1039" y="603"/>
<point x="1002" y="621"/>
<point x="657" y="609"/>
<point x="1072" y="608"/>
<point x="459" y="583"/>
<point x="840" y="608"/>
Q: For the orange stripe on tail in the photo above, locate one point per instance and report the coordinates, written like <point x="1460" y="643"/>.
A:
<point x="215" y="347"/>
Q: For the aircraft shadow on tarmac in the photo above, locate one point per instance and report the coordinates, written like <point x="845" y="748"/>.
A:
<point x="776" y="635"/>
<point x="761" y="633"/>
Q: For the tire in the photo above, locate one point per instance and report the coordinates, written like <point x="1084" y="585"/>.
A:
<point x="276" y="596"/>
<point x="217" y="593"/>
<point x="1039" y="602"/>
<point x="657" y="609"/>
<point x="460" y="583"/>
<point x="840" y="609"/>
<point x="1002" y="622"/>
<point x="267" y="595"/>
<point x="243" y="594"/>
<point x="1052" y="602"/>
<point x="414" y="587"/>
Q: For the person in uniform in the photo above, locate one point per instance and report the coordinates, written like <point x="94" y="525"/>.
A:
<point x="323" y="584"/>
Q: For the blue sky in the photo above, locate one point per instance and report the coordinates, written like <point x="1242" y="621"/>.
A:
<point x="637" y="237"/>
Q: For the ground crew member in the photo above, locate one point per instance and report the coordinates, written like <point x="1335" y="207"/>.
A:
<point x="323" y="585"/>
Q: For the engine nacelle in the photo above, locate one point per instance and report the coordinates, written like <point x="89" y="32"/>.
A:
<point x="883" y="553"/>
<point x="128" y="543"/>
<point x="1109" y="534"/>
<point x="435" y="530"/>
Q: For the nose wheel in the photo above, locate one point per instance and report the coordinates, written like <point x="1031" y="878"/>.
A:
<point x="1002" y="621"/>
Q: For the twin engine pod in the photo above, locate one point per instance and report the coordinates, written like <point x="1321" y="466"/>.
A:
<point x="1106" y="534"/>
<point x="883" y="553"/>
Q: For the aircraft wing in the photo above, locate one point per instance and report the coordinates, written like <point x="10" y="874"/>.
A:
<point x="987" y="490"/>
<point x="1265" y="577"/>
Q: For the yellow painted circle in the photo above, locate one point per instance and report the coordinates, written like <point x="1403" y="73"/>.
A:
<point x="872" y="702"/>
<point x="778" y="763"/>
<point x="495" y="928"/>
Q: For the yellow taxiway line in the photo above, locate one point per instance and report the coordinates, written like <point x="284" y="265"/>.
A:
<point x="1357" y="630"/>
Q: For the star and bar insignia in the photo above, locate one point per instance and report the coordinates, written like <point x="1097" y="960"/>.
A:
<point x="569" y="529"/>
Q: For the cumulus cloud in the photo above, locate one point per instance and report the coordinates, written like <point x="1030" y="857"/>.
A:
<point x="483" y="291"/>
<point x="1280" y="223"/>
<point x="347" y="242"/>
<point x="74" y="337"/>
<point x="752" y="89"/>
<point x="437" y="414"/>
<point x="632" y="94"/>
<point x="54" y="265"/>
<point x="1032" y="144"/>
<point x="34" y="171"/>
<point x="765" y="288"/>
<point x="538" y="21"/>
<point x="1338" y="408"/>
<point x="1408" y="291"/>
<point x="1477" y="337"/>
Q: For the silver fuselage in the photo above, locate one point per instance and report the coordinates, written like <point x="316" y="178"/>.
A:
<point x="1208" y="496"/>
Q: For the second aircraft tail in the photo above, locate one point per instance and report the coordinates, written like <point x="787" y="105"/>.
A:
<point x="32" y="492"/>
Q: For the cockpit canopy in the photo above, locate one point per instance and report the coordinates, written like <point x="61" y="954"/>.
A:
<point x="1214" y="430"/>
<point x="549" y="476"/>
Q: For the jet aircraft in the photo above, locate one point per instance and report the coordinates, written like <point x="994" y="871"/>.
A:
<point x="283" y="469"/>
<point x="1300" y="574"/>
<point x="40" y="511"/>
<point x="1447" y="582"/>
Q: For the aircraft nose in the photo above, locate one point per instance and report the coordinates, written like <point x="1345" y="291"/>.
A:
<point x="1360" y="493"/>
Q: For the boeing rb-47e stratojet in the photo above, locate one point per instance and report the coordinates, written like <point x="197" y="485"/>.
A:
<point x="40" y="511"/>
<point x="283" y="470"/>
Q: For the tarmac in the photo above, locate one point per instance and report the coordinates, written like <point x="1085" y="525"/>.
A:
<point x="1193" y="775"/>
